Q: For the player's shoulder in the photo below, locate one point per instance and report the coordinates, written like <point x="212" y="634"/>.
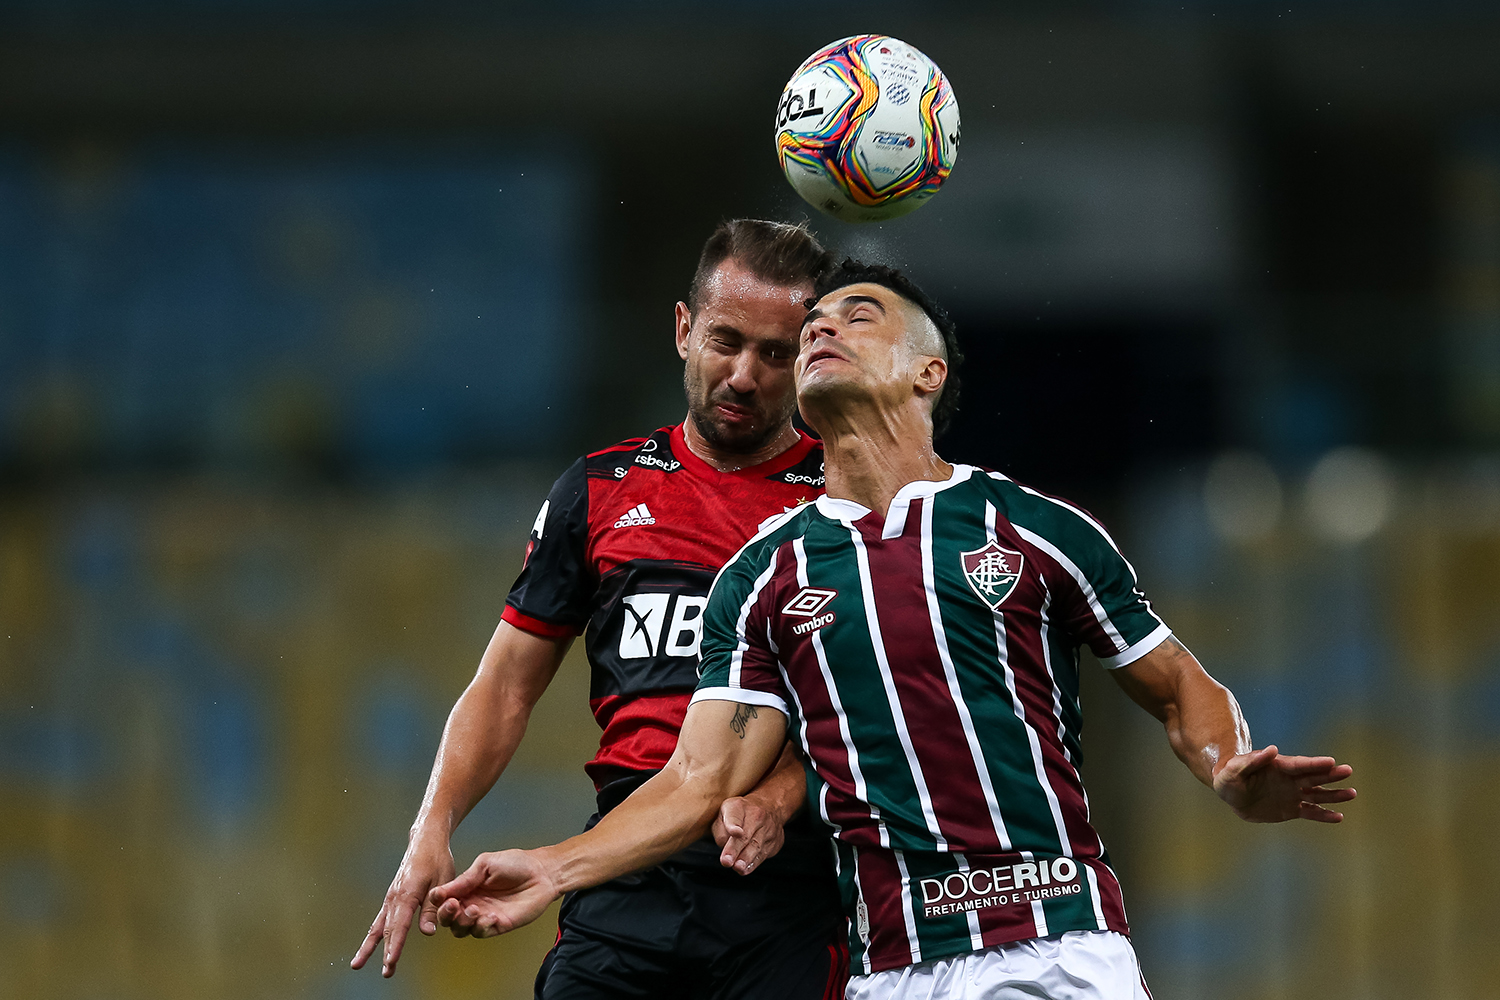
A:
<point x="773" y="533"/>
<point x="654" y="452"/>
<point x="1062" y="522"/>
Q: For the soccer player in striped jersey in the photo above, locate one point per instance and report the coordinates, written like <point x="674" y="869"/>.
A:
<point x="916" y="632"/>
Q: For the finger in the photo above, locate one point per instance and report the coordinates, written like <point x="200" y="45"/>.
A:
<point x="447" y="911"/>
<point x="1327" y="794"/>
<point x="1318" y="814"/>
<point x="367" y="947"/>
<point x="427" y="922"/>
<point x="472" y="878"/>
<point x="400" y="926"/>
<point x="1312" y="765"/>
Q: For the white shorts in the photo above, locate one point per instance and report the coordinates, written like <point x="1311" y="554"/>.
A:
<point x="1077" y="965"/>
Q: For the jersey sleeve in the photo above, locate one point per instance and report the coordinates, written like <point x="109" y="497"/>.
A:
<point x="555" y="590"/>
<point x="738" y="663"/>
<point x="1099" y="600"/>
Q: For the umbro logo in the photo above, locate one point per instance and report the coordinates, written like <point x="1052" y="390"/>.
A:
<point x="634" y="516"/>
<point x="808" y="603"/>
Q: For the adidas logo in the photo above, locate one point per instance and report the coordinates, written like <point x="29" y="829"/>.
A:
<point x="634" y="516"/>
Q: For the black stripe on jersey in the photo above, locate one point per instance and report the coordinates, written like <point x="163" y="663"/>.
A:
<point x="654" y="452"/>
<point x="808" y="472"/>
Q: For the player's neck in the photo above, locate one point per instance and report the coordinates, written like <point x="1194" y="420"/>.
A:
<point x="869" y="454"/>
<point x="734" y="461"/>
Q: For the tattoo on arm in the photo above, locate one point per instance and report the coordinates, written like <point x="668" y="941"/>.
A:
<point x="1174" y="646"/>
<point x="742" y="716"/>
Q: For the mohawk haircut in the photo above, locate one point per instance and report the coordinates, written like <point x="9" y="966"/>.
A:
<point x="854" y="272"/>
<point x="776" y="252"/>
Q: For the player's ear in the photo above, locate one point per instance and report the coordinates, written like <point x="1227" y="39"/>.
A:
<point x="931" y="376"/>
<point x="684" y="329"/>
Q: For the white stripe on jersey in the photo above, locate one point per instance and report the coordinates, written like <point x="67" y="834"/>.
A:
<point x="934" y="613"/>
<point x="1094" y="888"/>
<point x="861" y="791"/>
<point x="861" y="928"/>
<point x="1052" y="676"/>
<point x="1038" y="913"/>
<point x="907" y="911"/>
<point x="1003" y="648"/>
<point x="742" y="643"/>
<point x="976" y="936"/>
<point x="877" y="643"/>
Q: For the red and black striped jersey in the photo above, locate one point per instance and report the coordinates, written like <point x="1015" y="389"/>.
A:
<point x="624" y="550"/>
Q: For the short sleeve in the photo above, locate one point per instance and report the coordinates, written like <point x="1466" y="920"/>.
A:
<point x="555" y="590"/>
<point x="738" y="662"/>
<point x="1097" y="596"/>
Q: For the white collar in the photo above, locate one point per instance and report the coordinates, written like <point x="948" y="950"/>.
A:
<point x="848" y="511"/>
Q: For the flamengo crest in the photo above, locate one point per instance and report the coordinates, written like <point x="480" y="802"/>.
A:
<point x="992" y="572"/>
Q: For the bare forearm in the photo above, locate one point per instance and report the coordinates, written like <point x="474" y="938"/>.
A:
<point x="782" y="792"/>
<point x="486" y="726"/>
<point x="1206" y="727"/>
<point x="659" y="819"/>
<point x="477" y="745"/>
<point x="1203" y="721"/>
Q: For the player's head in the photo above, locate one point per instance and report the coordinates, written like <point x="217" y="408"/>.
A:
<point x="738" y="329"/>
<point x="872" y="333"/>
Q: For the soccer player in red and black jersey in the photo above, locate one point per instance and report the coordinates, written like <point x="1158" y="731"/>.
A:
<point x="624" y="551"/>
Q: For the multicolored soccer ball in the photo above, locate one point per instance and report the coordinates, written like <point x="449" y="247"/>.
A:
<point x="867" y="128"/>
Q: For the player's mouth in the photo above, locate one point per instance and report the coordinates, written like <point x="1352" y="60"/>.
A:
<point x="733" y="413"/>
<point x="823" y="353"/>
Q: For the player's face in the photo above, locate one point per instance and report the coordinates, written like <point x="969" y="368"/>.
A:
<point x="856" y="341"/>
<point x="739" y="348"/>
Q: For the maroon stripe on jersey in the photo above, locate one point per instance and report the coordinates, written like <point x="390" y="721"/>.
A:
<point x="921" y="684"/>
<point x="801" y="662"/>
<point x="880" y="886"/>
<point x="1111" y="899"/>
<point x="1004" y="924"/>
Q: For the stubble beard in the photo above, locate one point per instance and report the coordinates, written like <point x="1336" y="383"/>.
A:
<point x="700" y="410"/>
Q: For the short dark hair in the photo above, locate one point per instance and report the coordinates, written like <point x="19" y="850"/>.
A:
<point x="777" y="252"/>
<point x="854" y="272"/>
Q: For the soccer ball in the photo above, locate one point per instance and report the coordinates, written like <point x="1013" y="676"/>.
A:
<point x="867" y="129"/>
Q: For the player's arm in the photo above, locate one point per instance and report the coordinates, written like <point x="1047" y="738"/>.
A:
<point x="482" y="733"/>
<point x="724" y="750"/>
<point x="752" y="827"/>
<point x="1209" y="734"/>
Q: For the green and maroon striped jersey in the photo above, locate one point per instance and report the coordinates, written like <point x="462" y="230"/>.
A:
<point x="928" y="665"/>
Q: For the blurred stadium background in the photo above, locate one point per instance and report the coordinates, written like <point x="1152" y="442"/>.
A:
<point x="303" y="305"/>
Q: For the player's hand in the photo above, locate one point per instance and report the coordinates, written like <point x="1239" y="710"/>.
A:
<point x="500" y="892"/>
<point x="1264" y="786"/>
<point x="426" y="864"/>
<point x="748" y="833"/>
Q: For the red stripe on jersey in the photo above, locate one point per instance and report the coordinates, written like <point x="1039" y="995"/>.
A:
<point x="535" y="626"/>
<point x="921" y="682"/>
<point x="640" y="732"/>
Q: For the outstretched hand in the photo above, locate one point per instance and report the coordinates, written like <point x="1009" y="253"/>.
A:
<point x="748" y="834"/>
<point x="424" y="866"/>
<point x="1264" y="786"/>
<point x="500" y="891"/>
